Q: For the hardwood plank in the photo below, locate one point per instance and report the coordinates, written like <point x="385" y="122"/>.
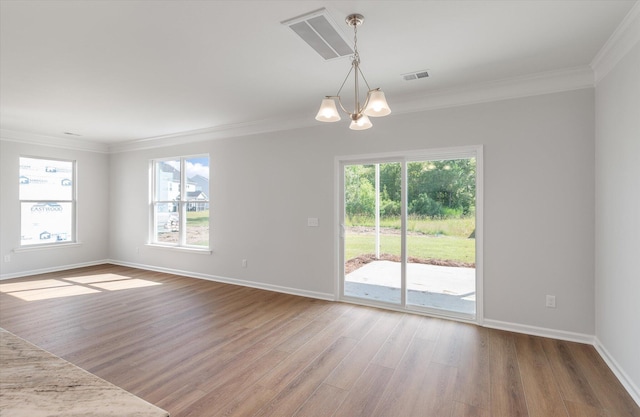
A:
<point x="466" y="410"/>
<point x="366" y="393"/>
<point x="291" y="397"/>
<point x="351" y="368"/>
<point x="436" y="396"/>
<point x="582" y="410"/>
<point x="573" y="384"/>
<point x="323" y="402"/>
<point x="610" y="392"/>
<point x="449" y="344"/>
<point x="473" y="382"/>
<point x="540" y="388"/>
<point x="247" y="403"/>
<point x="396" y="344"/>
<point x="404" y="388"/>
<point x="286" y="371"/>
<point x="199" y="348"/>
<point x="507" y="394"/>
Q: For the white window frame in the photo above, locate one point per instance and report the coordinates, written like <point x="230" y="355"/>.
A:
<point x="72" y="201"/>
<point x="475" y="151"/>
<point x="182" y="207"/>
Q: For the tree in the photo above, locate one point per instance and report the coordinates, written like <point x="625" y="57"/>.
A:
<point x="359" y="192"/>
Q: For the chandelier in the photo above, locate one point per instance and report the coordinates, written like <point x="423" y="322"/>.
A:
<point x="374" y="105"/>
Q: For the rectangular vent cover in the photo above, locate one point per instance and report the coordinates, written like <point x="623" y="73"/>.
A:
<point x="415" y="75"/>
<point x="320" y="32"/>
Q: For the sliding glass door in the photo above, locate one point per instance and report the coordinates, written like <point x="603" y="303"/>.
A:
<point x="408" y="232"/>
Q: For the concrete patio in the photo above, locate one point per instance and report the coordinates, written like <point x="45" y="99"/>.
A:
<point x="439" y="287"/>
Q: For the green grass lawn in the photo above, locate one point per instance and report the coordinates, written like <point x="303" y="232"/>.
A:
<point x="459" y="227"/>
<point x="419" y="246"/>
<point x="197" y="217"/>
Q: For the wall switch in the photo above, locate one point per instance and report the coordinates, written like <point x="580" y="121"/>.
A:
<point x="244" y="263"/>
<point x="551" y="301"/>
<point x="7" y="258"/>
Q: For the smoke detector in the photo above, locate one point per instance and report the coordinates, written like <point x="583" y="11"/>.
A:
<point x="320" y="32"/>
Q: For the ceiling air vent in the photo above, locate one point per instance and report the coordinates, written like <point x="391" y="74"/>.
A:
<point x="320" y="32"/>
<point x="415" y="75"/>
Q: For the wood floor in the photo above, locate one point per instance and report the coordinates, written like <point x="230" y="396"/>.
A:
<point x="199" y="348"/>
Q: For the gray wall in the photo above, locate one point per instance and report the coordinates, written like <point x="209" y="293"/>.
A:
<point x="539" y="203"/>
<point x="92" y="210"/>
<point x="618" y="214"/>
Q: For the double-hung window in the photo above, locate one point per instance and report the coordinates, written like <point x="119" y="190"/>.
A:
<point x="47" y="201"/>
<point x="180" y="202"/>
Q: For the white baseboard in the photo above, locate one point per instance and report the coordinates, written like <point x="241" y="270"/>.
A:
<point x="51" y="269"/>
<point x="216" y="278"/>
<point x="540" y="331"/>
<point x="622" y="376"/>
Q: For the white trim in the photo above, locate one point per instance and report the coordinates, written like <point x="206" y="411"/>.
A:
<point x="626" y="35"/>
<point x="540" y="331"/>
<point x="47" y="246"/>
<point x="618" y="371"/>
<point x="59" y="268"/>
<point x="186" y="249"/>
<point x="213" y="133"/>
<point x="226" y="280"/>
<point x="53" y="141"/>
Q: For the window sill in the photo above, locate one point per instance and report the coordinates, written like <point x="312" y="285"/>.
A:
<point x="46" y="247"/>
<point x="185" y="249"/>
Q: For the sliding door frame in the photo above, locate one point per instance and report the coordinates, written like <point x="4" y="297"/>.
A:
<point x="403" y="158"/>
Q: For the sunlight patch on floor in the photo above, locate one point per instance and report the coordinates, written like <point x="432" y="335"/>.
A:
<point x="67" y="287"/>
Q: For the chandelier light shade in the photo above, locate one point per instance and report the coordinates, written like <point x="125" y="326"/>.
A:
<point x="328" y="111"/>
<point x="375" y="103"/>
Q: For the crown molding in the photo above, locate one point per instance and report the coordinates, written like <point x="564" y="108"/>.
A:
<point x="53" y="141"/>
<point x="530" y="85"/>
<point x="625" y="37"/>
<point x="213" y="133"/>
<point x="525" y="86"/>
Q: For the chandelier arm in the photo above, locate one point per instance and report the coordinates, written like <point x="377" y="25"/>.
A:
<point x="364" y="78"/>
<point x="343" y="82"/>
<point x="341" y="106"/>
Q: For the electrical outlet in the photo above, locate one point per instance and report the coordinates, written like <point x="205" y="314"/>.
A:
<point x="244" y="263"/>
<point x="7" y="258"/>
<point x="551" y="301"/>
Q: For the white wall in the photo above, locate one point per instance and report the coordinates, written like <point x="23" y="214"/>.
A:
<point x="92" y="211"/>
<point x="539" y="203"/>
<point x="618" y="216"/>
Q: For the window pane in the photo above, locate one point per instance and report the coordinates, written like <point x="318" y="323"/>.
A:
<point x="197" y="197"/>
<point x="167" y="180"/>
<point x="46" y="222"/>
<point x="198" y="228"/>
<point x="44" y="179"/>
<point x="167" y="222"/>
<point x="181" y="215"/>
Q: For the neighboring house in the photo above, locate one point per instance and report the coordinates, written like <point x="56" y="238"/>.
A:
<point x="193" y="197"/>
<point x="170" y="178"/>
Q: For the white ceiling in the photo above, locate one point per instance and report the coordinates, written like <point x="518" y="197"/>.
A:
<point x="118" y="71"/>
